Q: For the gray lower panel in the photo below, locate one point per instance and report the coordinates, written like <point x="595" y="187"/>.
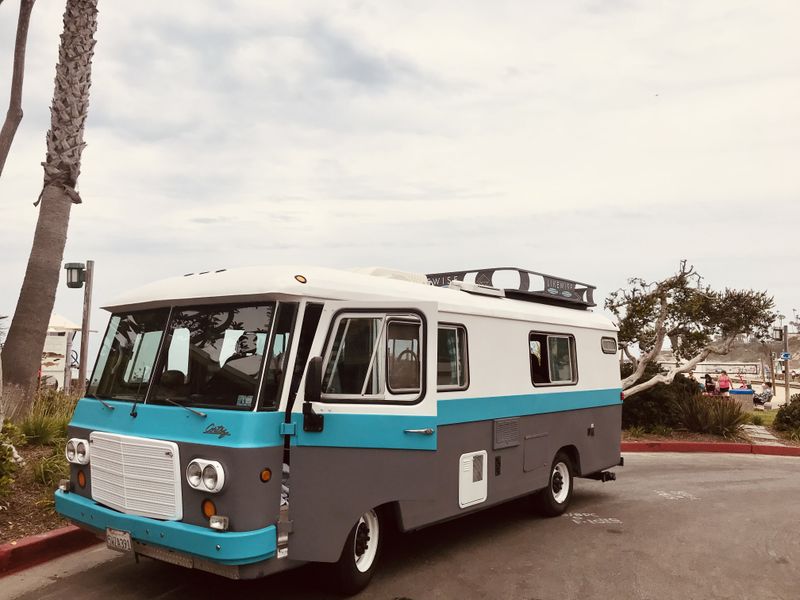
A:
<point x="332" y="487"/>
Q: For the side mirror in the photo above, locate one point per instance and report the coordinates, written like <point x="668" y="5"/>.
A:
<point x="313" y="422"/>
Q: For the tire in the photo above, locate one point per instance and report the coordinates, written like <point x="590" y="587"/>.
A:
<point x="553" y="500"/>
<point x="355" y="567"/>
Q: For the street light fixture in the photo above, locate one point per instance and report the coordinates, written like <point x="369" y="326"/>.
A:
<point x="77" y="275"/>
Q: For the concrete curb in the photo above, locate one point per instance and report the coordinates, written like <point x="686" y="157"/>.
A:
<point x="730" y="448"/>
<point x="36" y="549"/>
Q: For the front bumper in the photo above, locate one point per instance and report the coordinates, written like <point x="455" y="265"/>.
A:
<point x="226" y="548"/>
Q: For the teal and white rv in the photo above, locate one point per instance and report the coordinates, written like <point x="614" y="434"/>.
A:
<point x="247" y="421"/>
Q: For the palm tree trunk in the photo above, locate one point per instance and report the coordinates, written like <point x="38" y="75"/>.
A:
<point x="22" y="353"/>
<point x="14" y="114"/>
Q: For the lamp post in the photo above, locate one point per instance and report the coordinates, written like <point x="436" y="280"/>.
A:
<point x="79" y="274"/>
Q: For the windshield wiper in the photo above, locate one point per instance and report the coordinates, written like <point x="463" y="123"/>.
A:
<point x="103" y="402"/>
<point x="191" y="410"/>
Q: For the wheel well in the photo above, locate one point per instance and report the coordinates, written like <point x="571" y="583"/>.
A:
<point x="390" y="515"/>
<point x="574" y="457"/>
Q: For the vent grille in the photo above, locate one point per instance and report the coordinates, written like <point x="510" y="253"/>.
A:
<point x="506" y="433"/>
<point x="136" y="476"/>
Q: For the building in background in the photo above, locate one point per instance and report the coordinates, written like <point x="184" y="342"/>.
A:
<point x="57" y="359"/>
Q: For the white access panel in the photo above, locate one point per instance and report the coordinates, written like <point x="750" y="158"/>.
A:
<point x="472" y="478"/>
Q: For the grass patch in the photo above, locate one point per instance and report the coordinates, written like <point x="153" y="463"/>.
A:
<point x="767" y="417"/>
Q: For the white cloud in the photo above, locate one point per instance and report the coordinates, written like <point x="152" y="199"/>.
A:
<point x="596" y="139"/>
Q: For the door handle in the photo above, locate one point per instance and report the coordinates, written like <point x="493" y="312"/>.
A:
<point x="426" y="431"/>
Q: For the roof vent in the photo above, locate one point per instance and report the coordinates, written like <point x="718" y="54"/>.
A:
<point x="393" y="274"/>
<point x="474" y="288"/>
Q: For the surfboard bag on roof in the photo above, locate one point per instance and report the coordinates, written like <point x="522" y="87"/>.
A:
<point x="528" y="285"/>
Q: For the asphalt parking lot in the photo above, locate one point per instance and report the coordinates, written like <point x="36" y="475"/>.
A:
<point x="680" y="526"/>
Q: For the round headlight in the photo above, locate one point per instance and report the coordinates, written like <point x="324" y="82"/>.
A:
<point x="194" y="474"/>
<point x="80" y="452"/>
<point x="70" y="451"/>
<point x="210" y="477"/>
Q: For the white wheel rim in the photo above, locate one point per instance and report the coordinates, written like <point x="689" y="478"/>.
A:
<point x="560" y="482"/>
<point x="367" y="526"/>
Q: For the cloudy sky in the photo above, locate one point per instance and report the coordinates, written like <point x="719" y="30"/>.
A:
<point x="592" y="139"/>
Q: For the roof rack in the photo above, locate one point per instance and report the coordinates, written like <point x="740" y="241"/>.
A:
<point x="530" y="285"/>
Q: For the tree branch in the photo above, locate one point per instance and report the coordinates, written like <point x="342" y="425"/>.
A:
<point x="720" y="348"/>
<point x="14" y="114"/>
<point x="630" y="357"/>
<point x="658" y="343"/>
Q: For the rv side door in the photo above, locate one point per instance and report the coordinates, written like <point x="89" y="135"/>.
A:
<point x="364" y="434"/>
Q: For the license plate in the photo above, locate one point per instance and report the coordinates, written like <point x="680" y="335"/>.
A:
<point x="118" y="540"/>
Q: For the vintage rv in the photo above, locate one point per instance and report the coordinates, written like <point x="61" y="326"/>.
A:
<point x="247" y="421"/>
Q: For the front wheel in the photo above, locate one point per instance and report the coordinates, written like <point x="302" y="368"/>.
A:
<point x="553" y="500"/>
<point x="353" y="571"/>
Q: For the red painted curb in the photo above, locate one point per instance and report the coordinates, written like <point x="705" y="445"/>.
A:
<point x="777" y="450"/>
<point x="36" y="549"/>
<point x="728" y="447"/>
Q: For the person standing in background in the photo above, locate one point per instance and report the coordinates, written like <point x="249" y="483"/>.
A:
<point x="709" y="382"/>
<point x="724" y="383"/>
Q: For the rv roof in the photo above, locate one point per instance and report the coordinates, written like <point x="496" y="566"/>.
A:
<point x="254" y="283"/>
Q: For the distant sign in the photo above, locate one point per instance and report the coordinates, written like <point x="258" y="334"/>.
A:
<point x="785" y="356"/>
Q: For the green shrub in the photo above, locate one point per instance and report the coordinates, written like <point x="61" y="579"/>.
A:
<point x="7" y="466"/>
<point x="13" y="434"/>
<point x="756" y="419"/>
<point x="636" y="431"/>
<point x="788" y="416"/>
<point x="711" y="414"/>
<point x="49" y="417"/>
<point x="655" y="407"/>
<point x="51" y="469"/>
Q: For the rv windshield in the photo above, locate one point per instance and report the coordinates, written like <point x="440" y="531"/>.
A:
<point x="211" y="357"/>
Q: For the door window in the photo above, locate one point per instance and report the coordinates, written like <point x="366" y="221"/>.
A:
<point x="376" y="357"/>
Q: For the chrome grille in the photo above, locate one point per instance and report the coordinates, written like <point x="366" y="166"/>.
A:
<point x="138" y="476"/>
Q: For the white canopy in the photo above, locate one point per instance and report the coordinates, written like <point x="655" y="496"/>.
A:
<point x="59" y="323"/>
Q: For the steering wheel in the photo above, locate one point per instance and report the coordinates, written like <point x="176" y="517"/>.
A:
<point x="408" y="355"/>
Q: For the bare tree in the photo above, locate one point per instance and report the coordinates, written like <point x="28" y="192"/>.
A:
<point x="14" y="114"/>
<point x="697" y="320"/>
<point x="23" y="350"/>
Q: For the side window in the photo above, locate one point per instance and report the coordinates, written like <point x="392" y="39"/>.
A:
<point x="374" y="357"/>
<point x="277" y="355"/>
<point x="452" y="371"/>
<point x="552" y="359"/>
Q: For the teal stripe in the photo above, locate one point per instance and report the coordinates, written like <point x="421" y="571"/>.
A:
<point x="342" y="430"/>
<point x="227" y="548"/>
<point x="466" y="410"/>
<point x="246" y="429"/>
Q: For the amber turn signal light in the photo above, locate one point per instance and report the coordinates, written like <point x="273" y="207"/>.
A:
<point x="82" y="479"/>
<point x="266" y="475"/>
<point x="209" y="510"/>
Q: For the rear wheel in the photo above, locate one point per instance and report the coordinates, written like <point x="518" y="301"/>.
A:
<point x="553" y="500"/>
<point x="354" y="569"/>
